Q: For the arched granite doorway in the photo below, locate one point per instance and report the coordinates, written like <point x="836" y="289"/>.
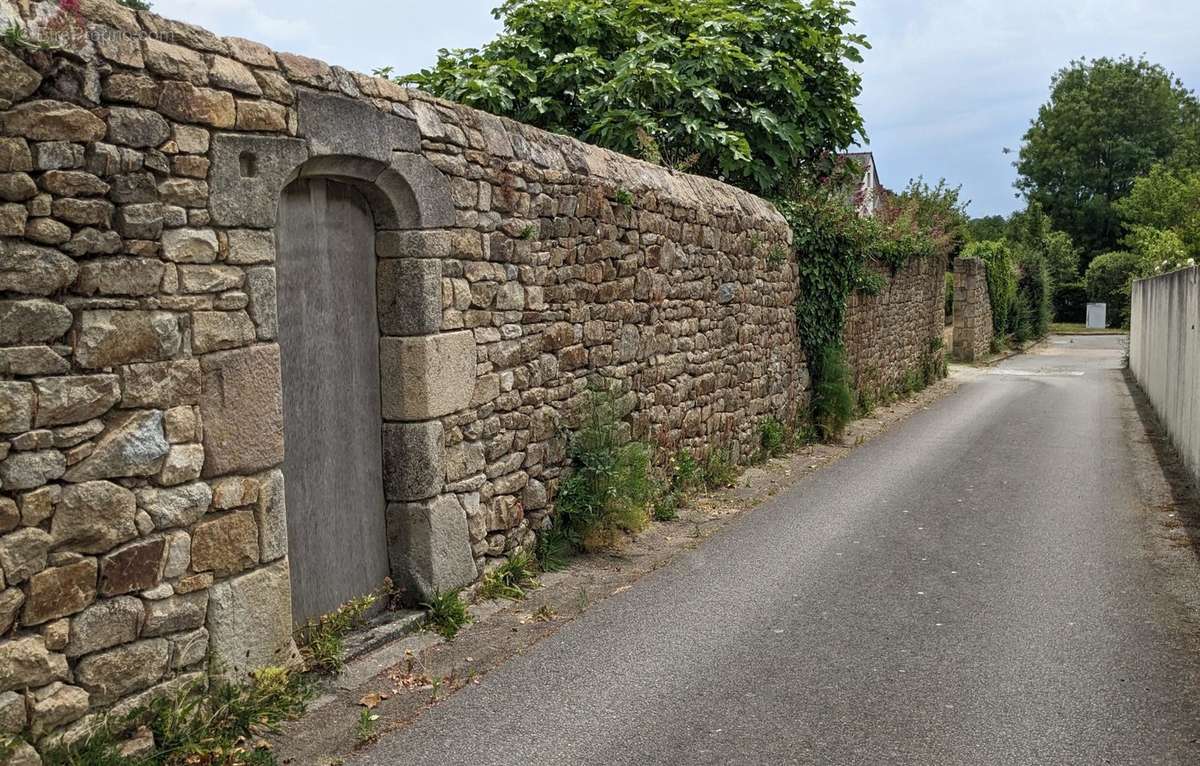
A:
<point x="329" y="344"/>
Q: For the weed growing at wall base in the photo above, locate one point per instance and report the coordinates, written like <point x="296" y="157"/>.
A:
<point x="447" y="613"/>
<point x="610" y="487"/>
<point x="217" y="724"/>
<point x="322" y="641"/>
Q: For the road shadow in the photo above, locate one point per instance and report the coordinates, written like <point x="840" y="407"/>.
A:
<point x="1184" y="493"/>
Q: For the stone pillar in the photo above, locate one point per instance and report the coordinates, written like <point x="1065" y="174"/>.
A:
<point x="972" y="310"/>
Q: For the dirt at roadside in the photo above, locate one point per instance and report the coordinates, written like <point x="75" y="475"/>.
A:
<point x="398" y="681"/>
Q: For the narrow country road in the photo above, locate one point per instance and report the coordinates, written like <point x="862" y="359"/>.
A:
<point x="972" y="588"/>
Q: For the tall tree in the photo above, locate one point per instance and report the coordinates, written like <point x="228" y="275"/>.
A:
<point x="1107" y="122"/>
<point x="746" y="90"/>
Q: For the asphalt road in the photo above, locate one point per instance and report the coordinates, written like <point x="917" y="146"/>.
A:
<point x="972" y="588"/>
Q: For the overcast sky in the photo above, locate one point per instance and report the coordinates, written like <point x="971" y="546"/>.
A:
<point x="947" y="85"/>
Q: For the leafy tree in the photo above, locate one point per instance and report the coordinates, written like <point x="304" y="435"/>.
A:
<point x="1062" y="258"/>
<point x="1107" y="122"/>
<point x="1165" y="199"/>
<point x="747" y="90"/>
<point x="988" y="228"/>
<point x="1109" y="280"/>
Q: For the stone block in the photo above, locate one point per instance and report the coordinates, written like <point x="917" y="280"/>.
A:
<point x="177" y="506"/>
<point x="409" y="296"/>
<point x="60" y="591"/>
<point x="203" y="106"/>
<point x="261" y="292"/>
<point x="412" y="460"/>
<point x="31" y="360"/>
<point x="161" y="385"/>
<point x="116" y="673"/>
<point x="10" y="604"/>
<point x="428" y="376"/>
<point x="133" y="445"/>
<point x="221" y="330"/>
<point x="250" y="621"/>
<point x="25" y="662"/>
<point x="32" y="321"/>
<point x="247" y="175"/>
<point x="270" y="515"/>
<point x="225" y="545"/>
<point x="17" y="80"/>
<point x="23" y="554"/>
<point x="190" y="245"/>
<point x="120" y="276"/>
<point x="109" y="337"/>
<point x="413" y="244"/>
<point x="16" y="407"/>
<point x="175" y="614"/>
<point x="335" y="124"/>
<point x="135" y="567"/>
<point x="422" y="190"/>
<point x="183" y="464"/>
<point x="188" y="648"/>
<point x="105" y="624"/>
<point x="429" y="547"/>
<point x="55" y="705"/>
<point x="250" y="246"/>
<point x="33" y="269"/>
<point x="52" y="121"/>
<point x="13" y="717"/>
<point x="94" y="517"/>
<point x="74" y="398"/>
<point x="242" y="410"/>
<point x="30" y="470"/>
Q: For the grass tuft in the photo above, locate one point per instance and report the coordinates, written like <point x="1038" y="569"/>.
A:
<point x="447" y="614"/>
<point x="509" y="580"/>
<point x="322" y="641"/>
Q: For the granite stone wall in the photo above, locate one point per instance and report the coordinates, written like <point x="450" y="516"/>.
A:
<point x="143" y="522"/>
<point x="894" y="332"/>
<point x="972" y="310"/>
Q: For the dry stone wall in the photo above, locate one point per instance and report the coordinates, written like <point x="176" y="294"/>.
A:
<point x="142" y="504"/>
<point x="972" y="310"/>
<point x="894" y="332"/>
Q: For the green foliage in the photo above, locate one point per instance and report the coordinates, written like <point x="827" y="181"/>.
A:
<point x="322" y="641"/>
<point x="137" y="5"/>
<point x="687" y="475"/>
<point x="920" y="221"/>
<point x="1001" y="279"/>
<point x="1107" y="122"/>
<point x="1158" y="251"/>
<point x="447" y="613"/>
<point x="624" y="197"/>
<point x="610" y="487"/>
<point x="1109" y="280"/>
<point x="719" y="469"/>
<point x="1070" y="302"/>
<point x="772" y="437"/>
<point x="1062" y="258"/>
<point x="1167" y="199"/>
<point x="1034" y="295"/>
<point x="833" y="394"/>
<point x="831" y="244"/>
<point x="509" y="580"/>
<point x="745" y="91"/>
<point x="199" y="724"/>
<point x="986" y="228"/>
<point x="364" y="730"/>
<point x="554" y="548"/>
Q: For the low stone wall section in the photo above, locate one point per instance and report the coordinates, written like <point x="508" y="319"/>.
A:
<point x="972" y="310"/>
<point x="894" y="332"/>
